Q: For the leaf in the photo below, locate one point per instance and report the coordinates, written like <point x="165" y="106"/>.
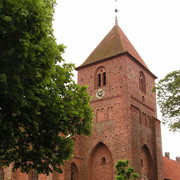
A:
<point x="3" y="77"/>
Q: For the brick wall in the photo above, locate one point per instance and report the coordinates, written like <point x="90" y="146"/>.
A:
<point x="123" y="117"/>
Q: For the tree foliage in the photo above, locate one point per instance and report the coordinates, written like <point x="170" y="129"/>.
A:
<point x="168" y="96"/>
<point x="124" y="172"/>
<point x="41" y="107"/>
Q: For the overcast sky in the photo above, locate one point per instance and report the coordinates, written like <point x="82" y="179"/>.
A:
<point x="152" y="26"/>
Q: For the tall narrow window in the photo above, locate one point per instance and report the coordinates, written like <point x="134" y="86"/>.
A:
<point x="142" y="82"/>
<point x="103" y="161"/>
<point x="99" y="79"/>
<point x="104" y="78"/>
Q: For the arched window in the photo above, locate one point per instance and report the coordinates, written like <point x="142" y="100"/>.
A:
<point x="100" y="77"/>
<point x="1" y="173"/>
<point x="103" y="161"/>
<point x="74" y="172"/>
<point x="142" y="82"/>
<point x="33" y="175"/>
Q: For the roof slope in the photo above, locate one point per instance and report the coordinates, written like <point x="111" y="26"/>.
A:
<point x="113" y="44"/>
<point x="171" y="169"/>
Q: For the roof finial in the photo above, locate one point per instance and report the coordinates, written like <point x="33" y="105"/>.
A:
<point x="116" y="10"/>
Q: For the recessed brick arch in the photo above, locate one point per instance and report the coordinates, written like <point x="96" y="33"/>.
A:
<point x="100" y="163"/>
<point x="146" y="163"/>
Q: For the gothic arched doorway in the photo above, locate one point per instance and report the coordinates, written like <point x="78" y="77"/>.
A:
<point x="146" y="163"/>
<point x="101" y="163"/>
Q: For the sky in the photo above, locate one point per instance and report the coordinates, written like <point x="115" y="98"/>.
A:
<point x="152" y="26"/>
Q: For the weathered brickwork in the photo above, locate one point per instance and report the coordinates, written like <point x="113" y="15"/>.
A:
<point x="125" y="117"/>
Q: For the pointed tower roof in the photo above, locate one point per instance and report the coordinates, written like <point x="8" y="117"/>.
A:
<point x="114" y="43"/>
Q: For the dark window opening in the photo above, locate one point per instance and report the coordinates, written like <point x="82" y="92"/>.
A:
<point x="104" y="78"/>
<point x="141" y="85"/>
<point x="141" y="163"/>
<point x="99" y="79"/>
<point x="103" y="161"/>
<point x="143" y="99"/>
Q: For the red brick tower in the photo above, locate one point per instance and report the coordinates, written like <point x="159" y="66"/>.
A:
<point x="125" y="123"/>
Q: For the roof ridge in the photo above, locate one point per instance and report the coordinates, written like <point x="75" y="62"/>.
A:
<point x="121" y="39"/>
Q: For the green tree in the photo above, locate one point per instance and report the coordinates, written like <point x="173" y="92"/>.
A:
<point x="168" y="96"/>
<point x="41" y="107"/>
<point x="124" y="172"/>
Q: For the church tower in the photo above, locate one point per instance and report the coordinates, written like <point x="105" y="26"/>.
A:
<point x="125" y="122"/>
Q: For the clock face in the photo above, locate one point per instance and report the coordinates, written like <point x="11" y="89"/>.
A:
<point x="100" y="93"/>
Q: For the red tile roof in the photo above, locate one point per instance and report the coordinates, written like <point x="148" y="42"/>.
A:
<point x="171" y="169"/>
<point x="113" y="44"/>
